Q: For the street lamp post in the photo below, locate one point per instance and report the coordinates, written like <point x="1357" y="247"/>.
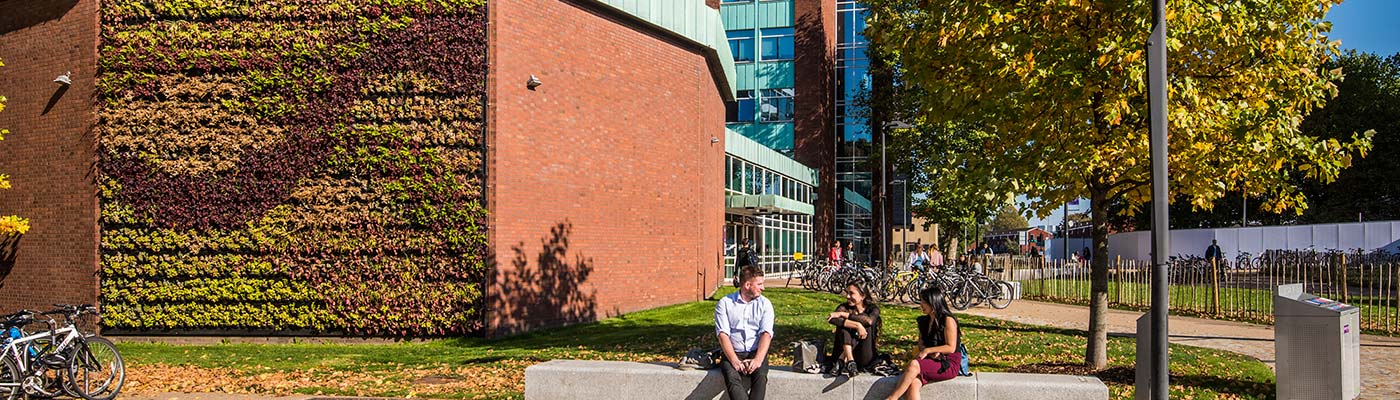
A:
<point x="1161" y="239"/>
<point x="884" y="189"/>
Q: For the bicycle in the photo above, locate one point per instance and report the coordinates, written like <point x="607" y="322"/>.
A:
<point x="975" y="288"/>
<point x="77" y="360"/>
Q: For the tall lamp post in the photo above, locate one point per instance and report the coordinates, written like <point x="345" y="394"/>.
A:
<point x="884" y="189"/>
<point x="1161" y="240"/>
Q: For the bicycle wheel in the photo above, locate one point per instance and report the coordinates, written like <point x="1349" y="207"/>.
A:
<point x="10" y="380"/>
<point x="50" y="379"/>
<point x="1000" y="296"/>
<point x="96" y="370"/>
<point x="910" y="294"/>
<point x="961" y="295"/>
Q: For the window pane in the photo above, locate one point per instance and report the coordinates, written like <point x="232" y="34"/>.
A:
<point x="741" y="45"/>
<point x="728" y="172"/>
<point x="738" y="177"/>
<point x="776" y="105"/>
<point x="777" y="44"/>
<point x="754" y="179"/>
<point x="742" y="110"/>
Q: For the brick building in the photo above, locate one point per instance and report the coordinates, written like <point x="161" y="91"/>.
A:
<point x="602" y="171"/>
<point x="1018" y="241"/>
<point x="632" y="169"/>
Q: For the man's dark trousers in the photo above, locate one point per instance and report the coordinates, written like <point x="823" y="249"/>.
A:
<point x="745" y="387"/>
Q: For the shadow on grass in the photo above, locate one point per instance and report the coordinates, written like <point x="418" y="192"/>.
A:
<point x="993" y="325"/>
<point x="1124" y="375"/>
<point x="666" y="331"/>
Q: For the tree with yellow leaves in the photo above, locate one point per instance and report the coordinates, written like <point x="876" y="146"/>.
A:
<point x="10" y="225"/>
<point x="1058" y="92"/>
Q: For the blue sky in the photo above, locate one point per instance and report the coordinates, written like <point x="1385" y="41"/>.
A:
<point x="1367" y="25"/>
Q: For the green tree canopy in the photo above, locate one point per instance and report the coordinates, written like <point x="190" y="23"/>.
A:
<point x="958" y="201"/>
<point x="9" y="224"/>
<point x="1058" y="90"/>
<point x="1368" y="97"/>
<point x="1008" y="218"/>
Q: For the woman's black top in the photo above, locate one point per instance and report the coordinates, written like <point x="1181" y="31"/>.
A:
<point x="932" y="336"/>
<point x="870" y="318"/>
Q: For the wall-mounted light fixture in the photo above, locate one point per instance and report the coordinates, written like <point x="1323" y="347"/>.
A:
<point x="714" y="139"/>
<point x="533" y="82"/>
<point x="64" y="79"/>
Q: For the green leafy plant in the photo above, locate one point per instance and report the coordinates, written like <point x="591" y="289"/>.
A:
<point x="10" y="225"/>
<point x="279" y="167"/>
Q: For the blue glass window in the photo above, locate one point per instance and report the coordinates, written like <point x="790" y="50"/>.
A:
<point x="777" y="44"/>
<point x="742" y="109"/>
<point x="741" y="44"/>
<point x="775" y="105"/>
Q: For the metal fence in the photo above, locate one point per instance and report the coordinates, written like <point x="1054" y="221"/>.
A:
<point x="1239" y="289"/>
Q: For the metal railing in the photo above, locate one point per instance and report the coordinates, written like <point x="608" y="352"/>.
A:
<point x="1240" y="289"/>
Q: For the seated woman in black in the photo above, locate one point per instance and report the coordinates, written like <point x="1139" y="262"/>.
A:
<point x="857" y="331"/>
<point x="936" y="358"/>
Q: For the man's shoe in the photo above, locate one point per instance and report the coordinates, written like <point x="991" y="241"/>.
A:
<point x="851" y="369"/>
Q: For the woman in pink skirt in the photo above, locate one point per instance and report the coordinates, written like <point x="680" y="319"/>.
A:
<point x="937" y="358"/>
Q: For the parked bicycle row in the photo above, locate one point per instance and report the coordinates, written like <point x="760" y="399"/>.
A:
<point x="59" y="358"/>
<point x="964" y="284"/>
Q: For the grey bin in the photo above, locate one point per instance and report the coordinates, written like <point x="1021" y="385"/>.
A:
<point x="1317" y="345"/>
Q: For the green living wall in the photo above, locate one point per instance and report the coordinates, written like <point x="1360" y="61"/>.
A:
<point x="303" y="166"/>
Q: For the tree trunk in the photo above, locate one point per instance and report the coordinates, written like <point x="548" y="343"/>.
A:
<point x="950" y="253"/>
<point x="1096" y="353"/>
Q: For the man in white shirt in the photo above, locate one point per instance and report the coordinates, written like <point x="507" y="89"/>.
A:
<point x="744" y="324"/>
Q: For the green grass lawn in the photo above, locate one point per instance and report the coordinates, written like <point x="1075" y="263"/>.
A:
<point x="1240" y="304"/>
<point x="481" y="368"/>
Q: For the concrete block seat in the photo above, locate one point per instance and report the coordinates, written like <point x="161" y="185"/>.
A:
<point x="621" y="380"/>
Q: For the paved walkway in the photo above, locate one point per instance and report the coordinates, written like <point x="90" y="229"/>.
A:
<point x="1380" y="355"/>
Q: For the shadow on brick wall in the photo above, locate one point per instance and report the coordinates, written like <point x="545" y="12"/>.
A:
<point x="20" y="14"/>
<point x="549" y="291"/>
<point x="9" y="250"/>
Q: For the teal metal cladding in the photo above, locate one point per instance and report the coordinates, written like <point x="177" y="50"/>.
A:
<point x="757" y="14"/>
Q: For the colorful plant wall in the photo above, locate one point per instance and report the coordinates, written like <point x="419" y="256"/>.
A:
<point x="307" y="166"/>
<point x="10" y="225"/>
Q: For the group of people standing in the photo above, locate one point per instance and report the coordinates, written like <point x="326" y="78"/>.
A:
<point x="744" y="327"/>
<point x="925" y="256"/>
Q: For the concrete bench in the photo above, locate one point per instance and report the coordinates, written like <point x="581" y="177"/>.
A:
<point x="620" y="380"/>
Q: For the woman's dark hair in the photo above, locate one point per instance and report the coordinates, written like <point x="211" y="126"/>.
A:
<point x="933" y="296"/>
<point x="869" y="302"/>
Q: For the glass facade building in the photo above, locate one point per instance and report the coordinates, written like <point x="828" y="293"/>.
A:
<point x="829" y="67"/>
<point x="854" y="175"/>
<point x="769" y="195"/>
<point x="760" y="34"/>
<point x="768" y="198"/>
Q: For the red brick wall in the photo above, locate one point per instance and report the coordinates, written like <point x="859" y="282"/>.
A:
<point x="605" y="190"/>
<point x="49" y="152"/>
<point x="814" y="128"/>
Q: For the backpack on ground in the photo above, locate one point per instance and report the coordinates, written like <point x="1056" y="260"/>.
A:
<point x="885" y="366"/>
<point x="698" y="358"/>
<point x="807" y="356"/>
